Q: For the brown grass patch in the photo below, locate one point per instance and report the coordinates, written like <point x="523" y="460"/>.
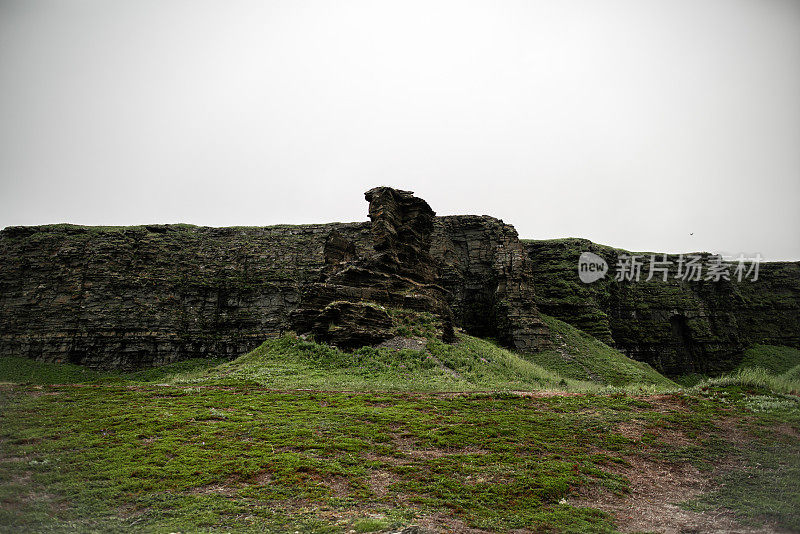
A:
<point x="657" y="488"/>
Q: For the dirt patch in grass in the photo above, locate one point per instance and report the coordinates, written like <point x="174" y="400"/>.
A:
<point x="545" y="393"/>
<point x="632" y="429"/>
<point x="339" y="486"/>
<point x="656" y="489"/>
<point x="441" y="522"/>
<point x="263" y="478"/>
<point x="380" y="480"/>
<point x="787" y="430"/>
<point x="229" y="488"/>
<point x="635" y="430"/>
<point x="390" y="460"/>
<point x="666" y="403"/>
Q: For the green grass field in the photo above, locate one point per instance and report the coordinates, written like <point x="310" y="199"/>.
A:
<point x="301" y="437"/>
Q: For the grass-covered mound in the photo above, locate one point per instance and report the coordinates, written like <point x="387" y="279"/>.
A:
<point x="469" y="364"/>
<point x="577" y="355"/>
<point x="765" y="368"/>
<point x="577" y="362"/>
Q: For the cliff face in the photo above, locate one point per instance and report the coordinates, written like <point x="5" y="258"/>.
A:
<point x="141" y="296"/>
<point x="130" y="297"/>
<point x="484" y="265"/>
<point x="677" y="326"/>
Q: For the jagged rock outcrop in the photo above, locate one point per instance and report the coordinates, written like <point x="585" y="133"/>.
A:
<point x="485" y="267"/>
<point x="402" y="225"/>
<point x="346" y="306"/>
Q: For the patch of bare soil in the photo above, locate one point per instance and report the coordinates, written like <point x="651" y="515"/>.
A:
<point x="228" y="488"/>
<point x="441" y="522"/>
<point x="658" y="487"/>
<point x="652" y="505"/>
<point x="666" y="403"/>
<point x="380" y="480"/>
<point x="339" y="486"/>
<point x="547" y="393"/>
<point x="635" y="428"/>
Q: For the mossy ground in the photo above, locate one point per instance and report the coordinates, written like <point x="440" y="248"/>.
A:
<point x="218" y="458"/>
<point x="298" y="436"/>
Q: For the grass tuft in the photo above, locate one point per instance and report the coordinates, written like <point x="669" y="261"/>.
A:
<point x="757" y="379"/>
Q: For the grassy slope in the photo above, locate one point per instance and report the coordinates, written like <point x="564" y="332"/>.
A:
<point x="773" y="358"/>
<point x="580" y="356"/>
<point x="769" y="367"/>
<point x="470" y="364"/>
<point x="792" y="374"/>
<point x="202" y="446"/>
<point x="579" y="362"/>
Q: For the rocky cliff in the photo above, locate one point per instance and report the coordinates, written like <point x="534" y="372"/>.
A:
<point x="140" y="296"/>
<point x="677" y="326"/>
<point x="129" y="297"/>
<point x="485" y="267"/>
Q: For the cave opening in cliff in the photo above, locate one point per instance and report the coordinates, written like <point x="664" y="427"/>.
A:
<point x="682" y="338"/>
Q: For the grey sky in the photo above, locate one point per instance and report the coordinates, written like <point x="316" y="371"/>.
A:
<point x="631" y="122"/>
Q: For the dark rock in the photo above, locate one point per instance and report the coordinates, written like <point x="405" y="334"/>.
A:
<point x="338" y="249"/>
<point x="350" y="325"/>
<point x="402" y="225"/>
<point x="398" y="273"/>
<point x="486" y="270"/>
<point x="127" y="297"/>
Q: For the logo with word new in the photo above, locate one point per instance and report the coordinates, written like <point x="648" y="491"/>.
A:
<point x="591" y="267"/>
<point x="683" y="267"/>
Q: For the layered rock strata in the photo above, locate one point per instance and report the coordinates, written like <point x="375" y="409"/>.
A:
<point x="677" y="326"/>
<point x="347" y="307"/>
<point x="131" y="297"/>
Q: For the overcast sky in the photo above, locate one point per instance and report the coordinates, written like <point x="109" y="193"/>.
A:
<point x="629" y="122"/>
